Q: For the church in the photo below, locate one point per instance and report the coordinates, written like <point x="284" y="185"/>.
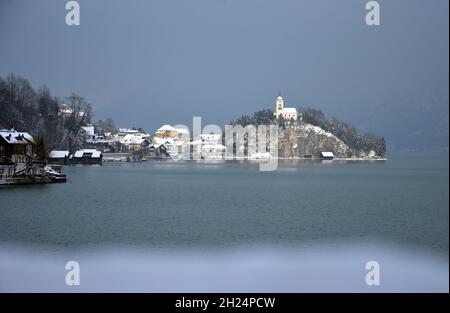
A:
<point x="286" y="113"/>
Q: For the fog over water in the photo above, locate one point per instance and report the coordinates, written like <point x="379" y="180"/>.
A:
<point x="324" y="268"/>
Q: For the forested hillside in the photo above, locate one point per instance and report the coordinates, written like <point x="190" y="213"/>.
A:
<point x="358" y="144"/>
<point x="38" y="112"/>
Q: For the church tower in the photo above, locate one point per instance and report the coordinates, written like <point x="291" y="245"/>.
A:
<point x="279" y="105"/>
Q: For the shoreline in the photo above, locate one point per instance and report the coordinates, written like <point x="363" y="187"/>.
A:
<point x="126" y="157"/>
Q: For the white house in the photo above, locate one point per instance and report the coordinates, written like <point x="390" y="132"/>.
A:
<point x="175" y="139"/>
<point x="89" y="131"/>
<point x="209" y="146"/>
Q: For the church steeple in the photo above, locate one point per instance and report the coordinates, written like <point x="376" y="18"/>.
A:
<point x="279" y="104"/>
<point x="289" y="114"/>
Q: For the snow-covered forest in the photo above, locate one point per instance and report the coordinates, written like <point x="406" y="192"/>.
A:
<point x="357" y="143"/>
<point x="40" y="113"/>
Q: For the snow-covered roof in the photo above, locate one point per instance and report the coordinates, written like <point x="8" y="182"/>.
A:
<point x="128" y="130"/>
<point x="14" y="137"/>
<point x="165" y="127"/>
<point x="89" y="130"/>
<point x="65" y="109"/>
<point x="182" y="131"/>
<point x="57" y="154"/>
<point x="290" y="110"/>
<point x="163" y="141"/>
<point x="95" y="153"/>
<point x="327" y="154"/>
<point x="133" y="139"/>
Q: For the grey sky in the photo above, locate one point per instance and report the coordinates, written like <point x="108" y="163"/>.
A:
<point x="145" y="63"/>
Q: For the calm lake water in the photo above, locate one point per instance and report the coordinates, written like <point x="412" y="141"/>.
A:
<point x="305" y="219"/>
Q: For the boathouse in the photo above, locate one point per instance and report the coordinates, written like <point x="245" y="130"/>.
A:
<point x="58" y="157"/>
<point x="327" y="155"/>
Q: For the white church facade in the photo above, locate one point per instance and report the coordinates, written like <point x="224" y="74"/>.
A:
<point x="286" y="113"/>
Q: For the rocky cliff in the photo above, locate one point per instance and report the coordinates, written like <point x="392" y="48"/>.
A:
<point x="313" y="133"/>
<point x="309" y="140"/>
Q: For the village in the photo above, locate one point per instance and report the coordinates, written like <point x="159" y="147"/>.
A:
<point x="132" y="145"/>
<point x="22" y="162"/>
<point x="24" y="159"/>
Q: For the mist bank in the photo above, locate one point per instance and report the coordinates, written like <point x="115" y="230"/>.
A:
<point x="324" y="268"/>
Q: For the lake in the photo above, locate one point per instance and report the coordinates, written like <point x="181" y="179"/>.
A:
<point x="225" y="226"/>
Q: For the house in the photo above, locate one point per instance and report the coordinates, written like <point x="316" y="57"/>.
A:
<point x="66" y="111"/>
<point x="58" y="157"/>
<point x="17" y="151"/>
<point x="167" y="142"/>
<point x="286" y="113"/>
<point x="20" y="160"/>
<point x="87" y="156"/>
<point x="175" y="147"/>
<point x="88" y="132"/>
<point x="182" y="133"/>
<point x="16" y="147"/>
<point x="180" y="149"/>
<point x="175" y="139"/>
<point x="158" y="151"/>
<point x="135" y="142"/>
<point x="326" y="155"/>
<point x="208" y="146"/>
<point x="125" y="131"/>
<point x="166" y="131"/>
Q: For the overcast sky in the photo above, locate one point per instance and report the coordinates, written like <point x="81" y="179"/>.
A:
<point x="145" y="63"/>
